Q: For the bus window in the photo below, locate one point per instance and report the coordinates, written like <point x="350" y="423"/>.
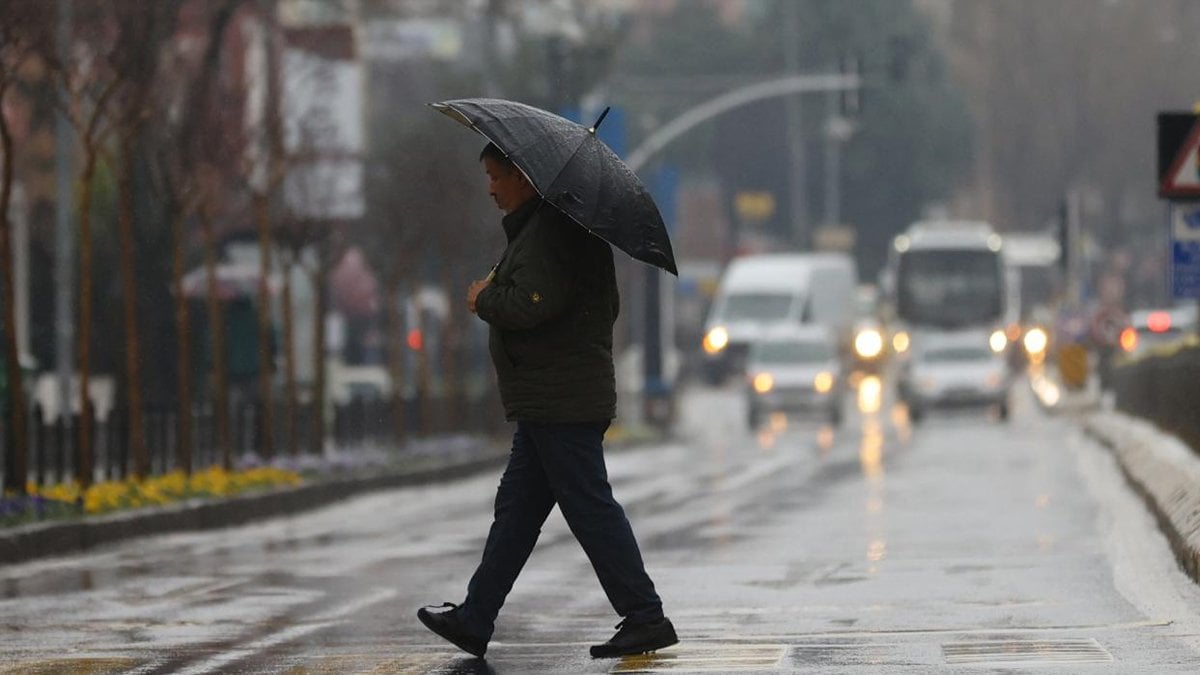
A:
<point x="950" y="288"/>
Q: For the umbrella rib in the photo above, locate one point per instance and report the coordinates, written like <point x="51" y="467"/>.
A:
<point x="462" y="118"/>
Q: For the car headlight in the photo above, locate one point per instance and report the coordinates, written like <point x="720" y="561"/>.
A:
<point x="868" y="344"/>
<point x="716" y="340"/>
<point x="763" y="383"/>
<point x="823" y="382"/>
<point x="1035" y="341"/>
<point x="900" y="342"/>
<point x="998" y="341"/>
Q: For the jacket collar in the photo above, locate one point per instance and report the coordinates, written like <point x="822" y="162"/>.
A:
<point x="513" y="222"/>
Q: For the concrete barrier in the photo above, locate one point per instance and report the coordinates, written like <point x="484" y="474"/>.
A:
<point x="1165" y="471"/>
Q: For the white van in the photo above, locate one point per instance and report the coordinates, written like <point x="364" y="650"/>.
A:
<point x="761" y="293"/>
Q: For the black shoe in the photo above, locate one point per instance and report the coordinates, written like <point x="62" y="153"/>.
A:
<point x="637" y="638"/>
<point x="449" y="626"/>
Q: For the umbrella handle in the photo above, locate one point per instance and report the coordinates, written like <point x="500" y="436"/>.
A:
<point x="492" y="274"/>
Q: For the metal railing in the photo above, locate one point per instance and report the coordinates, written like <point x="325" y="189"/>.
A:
<point x="53" y="445"/>
<point x="1164" y="388"/>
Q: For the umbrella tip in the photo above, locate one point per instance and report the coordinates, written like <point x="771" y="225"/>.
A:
<point x="600" y="119"/>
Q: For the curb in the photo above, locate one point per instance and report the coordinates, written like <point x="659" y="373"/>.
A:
<point x="1164" y="471"/>
<point x="41" y="540"/>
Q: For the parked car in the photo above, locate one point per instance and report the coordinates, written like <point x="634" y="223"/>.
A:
<point x="362" y="382"/>
<point x="954" y="370"/>
<point x="1149" y="328"/>
<point x="798" y="370"/>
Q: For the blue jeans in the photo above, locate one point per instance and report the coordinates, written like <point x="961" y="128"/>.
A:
<point x="563" y="464"/>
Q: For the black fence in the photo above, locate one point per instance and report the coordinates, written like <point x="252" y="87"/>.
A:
<point x="1163" y="388"/>
<point x="53" y="445"/>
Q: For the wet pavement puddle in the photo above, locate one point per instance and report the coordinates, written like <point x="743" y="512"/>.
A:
<point x="709" y="658"/>
<point x="1025" y="652"/>
<point x="75" y="666"/>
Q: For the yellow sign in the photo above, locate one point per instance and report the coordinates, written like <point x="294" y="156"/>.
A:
<point x="754" y="206"/>
<point x="1073" y="365"/>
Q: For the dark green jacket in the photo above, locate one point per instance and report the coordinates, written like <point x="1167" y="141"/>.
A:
<point x="550" y="309"/>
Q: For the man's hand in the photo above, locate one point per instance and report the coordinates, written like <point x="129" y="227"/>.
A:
<point x="473" y="292"/>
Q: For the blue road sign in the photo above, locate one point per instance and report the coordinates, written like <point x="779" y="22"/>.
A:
<point x="1185" y="251"/>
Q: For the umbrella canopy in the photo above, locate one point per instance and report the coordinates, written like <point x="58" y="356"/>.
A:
<point x="574" y="171"/>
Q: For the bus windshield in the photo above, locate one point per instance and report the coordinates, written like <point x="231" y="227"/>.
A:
<point x="793" y="351"/>
<point x="950" y="288"/>
<point x="756" y="307"/>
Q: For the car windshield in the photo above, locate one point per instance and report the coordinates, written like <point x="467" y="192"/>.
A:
<point x="756" y="306"/>
<point x="793" y="352"/>
<point x="957" y="354"/>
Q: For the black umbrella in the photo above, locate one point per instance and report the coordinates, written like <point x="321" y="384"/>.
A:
<point x="574" y="171"/>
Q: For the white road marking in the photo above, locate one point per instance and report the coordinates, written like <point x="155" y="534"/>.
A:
<point x="290" y="634"/>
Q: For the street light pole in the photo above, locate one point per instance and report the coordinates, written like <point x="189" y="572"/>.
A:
<point x="793" y="130"/>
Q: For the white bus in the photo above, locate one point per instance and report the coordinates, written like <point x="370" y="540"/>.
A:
<point x="948" y="276"/>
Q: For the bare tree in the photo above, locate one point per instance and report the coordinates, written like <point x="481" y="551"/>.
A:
<point x="24" y="31"/>
<point x="1064" y="96"/>
<point x="195" y="140"/>
<point x="91" y="88"/>
<point x="329" y="245"/>
<point x="309" y="238"/>
<point x="265" y="179"/>
<point x="424" y="209"/>
<point x="134" y="63"/>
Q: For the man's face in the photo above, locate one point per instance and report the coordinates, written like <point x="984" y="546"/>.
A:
<point x="506" y="185"/>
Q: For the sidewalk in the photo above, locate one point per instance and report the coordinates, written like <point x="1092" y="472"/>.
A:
<point x="425" y="461"/>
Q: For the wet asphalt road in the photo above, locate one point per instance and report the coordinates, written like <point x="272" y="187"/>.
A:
<point x="962" y="545"/>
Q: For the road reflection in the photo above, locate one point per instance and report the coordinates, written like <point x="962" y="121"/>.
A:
<point x="870" y="394"/>
<point x="870" y="458"/>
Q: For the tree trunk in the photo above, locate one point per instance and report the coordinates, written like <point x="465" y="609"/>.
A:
<point x="216" y="327"/>
<point x="85" y="466"/>
<point x="289" y="360"/>
<point x="424" y="399"/>
<point x="183" y="344"/>
<point x="396" y="354"/>
<point x="452" y="367"/>
<point x="262" y="217"/>
<point x="133" y="375"/>
<point x="18" y="466"/>
<point x="319" y="279"/>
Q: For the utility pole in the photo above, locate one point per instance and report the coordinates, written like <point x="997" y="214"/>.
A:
<point x="794" y="130"/>
<point x="838" y="129"/>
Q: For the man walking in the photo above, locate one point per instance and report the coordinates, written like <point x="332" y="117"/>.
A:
<point x="550" y="305"/>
